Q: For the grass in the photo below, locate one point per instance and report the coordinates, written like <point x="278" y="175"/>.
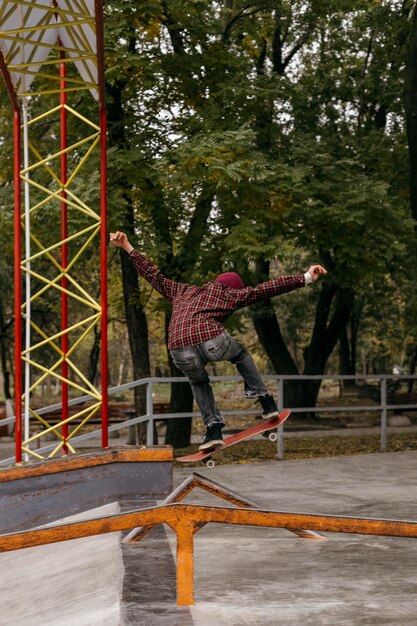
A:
<point x="306" y="448"/>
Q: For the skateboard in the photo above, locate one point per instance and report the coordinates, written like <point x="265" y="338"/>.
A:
<point x="264" y="428"/>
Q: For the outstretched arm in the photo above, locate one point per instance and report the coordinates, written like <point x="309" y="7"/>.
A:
<point x="275" y="287"/>
<point x="166" y="287"/>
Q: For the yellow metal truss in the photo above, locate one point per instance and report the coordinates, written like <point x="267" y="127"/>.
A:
<point x="76" y="26"/>
<point x="75" y="291"/>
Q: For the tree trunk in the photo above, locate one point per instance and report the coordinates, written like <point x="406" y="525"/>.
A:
<point x="411" y="126"/>
<point x="345" y="366"/>
<point x="180" y="267"/>
<point x="325" y="335"/>
<point x="94" y="356"/>
<point x="347" y="356"/>
<point x="355" y="317"/>
<point x="178" y="433"/>
<point x="264" y="317"/>
<point x="412" y="368"/>
<point x="137" y="326"/>
<point x="3" y="354"/>
<point x="347" y="348"/>
<point x="268" y="330"/>
<point x="411" y="113"/>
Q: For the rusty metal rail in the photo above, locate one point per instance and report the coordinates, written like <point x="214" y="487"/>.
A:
<point x="186" y="520"/>
<point x="215" y="489"/>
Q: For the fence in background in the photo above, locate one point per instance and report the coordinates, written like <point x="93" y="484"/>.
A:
<point x="150" y="417"/>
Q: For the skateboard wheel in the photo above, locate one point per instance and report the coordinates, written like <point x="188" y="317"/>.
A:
<point x="210" y="463"/>
<point x="272" y="436"/>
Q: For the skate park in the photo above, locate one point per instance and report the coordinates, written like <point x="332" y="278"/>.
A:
<point x="100" y="524"/>
<point x="242" y="574"/>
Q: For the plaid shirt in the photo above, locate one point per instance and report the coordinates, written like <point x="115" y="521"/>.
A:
<point x="198" y="312"/>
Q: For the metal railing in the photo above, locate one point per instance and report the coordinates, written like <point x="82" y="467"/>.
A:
<point x="186" y="520"/>
<point x="151" y="417"/>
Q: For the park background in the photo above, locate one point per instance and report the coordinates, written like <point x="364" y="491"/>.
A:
<point x="259" y="138"/>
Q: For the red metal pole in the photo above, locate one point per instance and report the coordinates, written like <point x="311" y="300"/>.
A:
<point x="64" y="248"/>
<point x="103" y="269"/>
<point x="17" y="258"/>
<point x="17" y="288"/>
<point x="98" y="5"/>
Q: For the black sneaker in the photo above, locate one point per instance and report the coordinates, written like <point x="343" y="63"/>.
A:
<point x="268" y="405"/>
<point x="213" y="438"/>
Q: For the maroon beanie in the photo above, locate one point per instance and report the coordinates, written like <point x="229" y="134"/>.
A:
<point x="230" y="279"/>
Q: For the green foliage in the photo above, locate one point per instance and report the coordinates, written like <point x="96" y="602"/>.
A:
<point x="286" y="117"/>
<point x="301" y="145"/>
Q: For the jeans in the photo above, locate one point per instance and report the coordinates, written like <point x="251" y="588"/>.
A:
<point x="192" y="361"/>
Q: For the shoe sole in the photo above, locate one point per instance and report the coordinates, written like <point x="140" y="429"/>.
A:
<point x="270" y="415"/>
<point x="211" y="445"/>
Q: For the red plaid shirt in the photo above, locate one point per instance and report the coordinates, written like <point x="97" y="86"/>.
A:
<point x="198" y="312"/>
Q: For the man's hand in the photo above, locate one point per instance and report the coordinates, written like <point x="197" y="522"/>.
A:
<point x="121" y="241"/>
<point x="315" y="271"/>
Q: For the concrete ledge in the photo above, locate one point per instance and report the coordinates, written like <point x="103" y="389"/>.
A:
<point x="100" y="457"/>
<point x="43" y="492"/>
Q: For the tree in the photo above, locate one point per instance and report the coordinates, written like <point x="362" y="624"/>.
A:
<point x="411" y="109"/>
<point x="328" y="129"/>
<point x="250" y="121"/>
<point x="120" y="176"/>
<point x="6" y="228"/>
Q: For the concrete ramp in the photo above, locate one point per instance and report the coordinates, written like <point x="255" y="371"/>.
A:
<point x="72" y="583"/>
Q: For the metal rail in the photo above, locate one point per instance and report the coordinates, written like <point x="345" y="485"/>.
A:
<point x="215" y="489"/>
<point x="187" y="520"/>
<point x="150" y="416"/>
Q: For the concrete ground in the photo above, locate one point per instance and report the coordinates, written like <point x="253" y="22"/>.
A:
<point x="270" y="577"/>
<point x="73" y="582"/>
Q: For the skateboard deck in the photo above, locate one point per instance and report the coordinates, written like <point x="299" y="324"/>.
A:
<point x="263" y="428"/>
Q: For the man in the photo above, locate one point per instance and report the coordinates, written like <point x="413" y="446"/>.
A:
<point x="196" y="334"/>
